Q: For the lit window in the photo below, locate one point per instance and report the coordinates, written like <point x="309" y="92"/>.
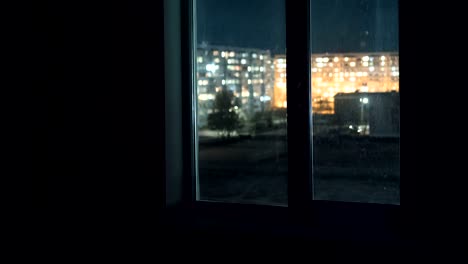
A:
<point x="212" y="67"/>
<point x="352" y="64"/>
<point x="336" y="59"/>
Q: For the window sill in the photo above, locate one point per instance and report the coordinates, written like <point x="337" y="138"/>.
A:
<point x="326" y="220"/>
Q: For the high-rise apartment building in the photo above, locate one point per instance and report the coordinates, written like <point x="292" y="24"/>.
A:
<point x="341" y="73"/>
<point x="248" y="73"/>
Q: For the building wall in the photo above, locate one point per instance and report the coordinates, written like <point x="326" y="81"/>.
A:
<point x="379" y="116"/>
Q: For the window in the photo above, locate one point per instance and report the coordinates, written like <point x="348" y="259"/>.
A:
<point x="241" y="129"/>
<point x="335" y="136"/>
<point x="356" y="121"/>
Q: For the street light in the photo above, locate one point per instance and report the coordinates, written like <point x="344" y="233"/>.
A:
<point x="363" y="101"/>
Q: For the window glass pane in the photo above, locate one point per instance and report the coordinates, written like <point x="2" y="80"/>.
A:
<point x="241" y="90"/>
<point x="355" y="100"/>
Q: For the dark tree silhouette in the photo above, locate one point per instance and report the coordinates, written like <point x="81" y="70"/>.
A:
<point x="224" y="117"/>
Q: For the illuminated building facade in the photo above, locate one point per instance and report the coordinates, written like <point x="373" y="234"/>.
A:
<point x="342" y="73"/>
<point x="248" y="73"/>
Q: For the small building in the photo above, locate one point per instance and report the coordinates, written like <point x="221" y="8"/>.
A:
<point x="373" y="114"/>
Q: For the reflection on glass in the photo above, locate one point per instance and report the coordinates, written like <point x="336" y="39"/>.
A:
<point x="242" y="151"/>
<point x="356" y="100"/>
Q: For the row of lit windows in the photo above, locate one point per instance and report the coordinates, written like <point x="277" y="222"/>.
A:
<point x="351" y="74"/>
<point x="351" y="64"/>
<point x="232" y="81"/>
<point x="232" y="54"/>
<point x="229" y="61"/>
<point x="346" y="59"/>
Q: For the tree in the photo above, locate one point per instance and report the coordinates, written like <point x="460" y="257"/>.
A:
<point x="224" y="118"/>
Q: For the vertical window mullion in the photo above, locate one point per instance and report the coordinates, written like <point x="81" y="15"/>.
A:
<point x="298" y="57"/>
<point x="190" y="142"/>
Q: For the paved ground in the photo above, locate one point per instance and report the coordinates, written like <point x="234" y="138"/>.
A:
<point x="255" y="171"/>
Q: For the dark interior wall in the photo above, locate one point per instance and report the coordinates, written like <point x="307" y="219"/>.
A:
<point x="99" y="135"/>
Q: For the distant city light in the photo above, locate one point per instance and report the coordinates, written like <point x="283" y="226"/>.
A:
<point x="205" y="97"/>
<point x="352" y="64"/>
<point x="212" y="67"/>
<point x="382" y="58"/>
<point x="365" y="58"/>
<point x="336" y="59"/>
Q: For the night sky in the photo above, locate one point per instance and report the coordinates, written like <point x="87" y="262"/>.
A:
<point x="337" y="25"/>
